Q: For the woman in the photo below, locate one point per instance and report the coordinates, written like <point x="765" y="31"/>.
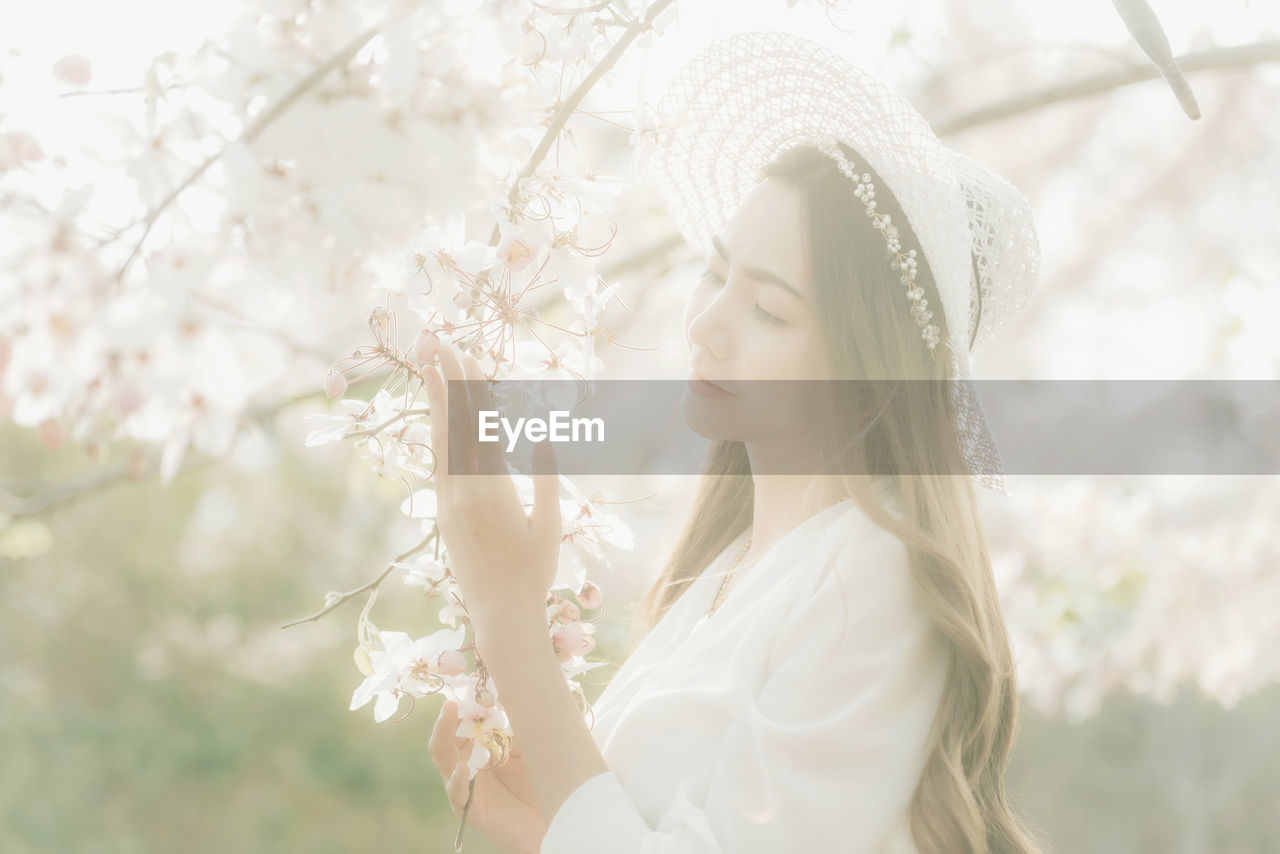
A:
<point x="826" y="666"/>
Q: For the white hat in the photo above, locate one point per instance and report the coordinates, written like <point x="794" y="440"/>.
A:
<point x="747" y="98"/>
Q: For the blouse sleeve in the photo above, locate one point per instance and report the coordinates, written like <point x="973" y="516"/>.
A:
<point x="828" y="754"/>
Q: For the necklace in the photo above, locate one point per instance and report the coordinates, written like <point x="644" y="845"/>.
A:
<point x="724" y="585"/>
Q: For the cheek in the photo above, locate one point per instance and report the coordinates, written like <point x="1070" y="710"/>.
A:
<point x="792" y="353"/>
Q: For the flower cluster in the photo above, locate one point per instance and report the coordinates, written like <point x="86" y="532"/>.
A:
<point x="392" y="429"/>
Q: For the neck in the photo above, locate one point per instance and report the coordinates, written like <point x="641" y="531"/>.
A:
<point x="782" y="502"/>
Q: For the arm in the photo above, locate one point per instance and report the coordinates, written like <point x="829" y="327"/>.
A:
<point x="825" y="758"/>
<point x="489" y="532"/>
<point x="555" y="742"/>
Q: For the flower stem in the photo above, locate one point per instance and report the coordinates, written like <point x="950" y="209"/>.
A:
<point x="466" y="808"/>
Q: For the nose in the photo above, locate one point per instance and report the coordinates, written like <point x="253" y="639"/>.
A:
<point x="708" y="326"/>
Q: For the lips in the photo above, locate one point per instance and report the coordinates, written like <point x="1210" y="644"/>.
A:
<point x="697" y="376"/>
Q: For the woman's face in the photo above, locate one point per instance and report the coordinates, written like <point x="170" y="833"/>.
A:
<point x="751" y="317"/>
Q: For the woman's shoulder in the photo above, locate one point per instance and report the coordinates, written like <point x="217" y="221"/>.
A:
<point x="856" y="549"/>
<point x="858" y="587"/>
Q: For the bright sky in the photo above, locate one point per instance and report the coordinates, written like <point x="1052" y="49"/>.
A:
<point x="119" y="37"/>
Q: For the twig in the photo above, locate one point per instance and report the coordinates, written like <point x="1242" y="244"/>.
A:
<point x="338" y="60"/>
<point x="392" y="420"/>
<point x="351" y="594"/>
<point x="49" y="496"/>
<point x="578" y="11"/>
<point x="568" y="107"/>
<point x="133" y="90"/>
<point x="45" y="497"/>
<point x="250" y="325"/>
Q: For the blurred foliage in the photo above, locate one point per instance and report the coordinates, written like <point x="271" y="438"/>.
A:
<point x="1189" y="777"/>
<point x="149" y="701"/>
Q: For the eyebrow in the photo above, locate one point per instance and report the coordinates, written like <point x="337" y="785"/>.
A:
<point x="757" y="272"/>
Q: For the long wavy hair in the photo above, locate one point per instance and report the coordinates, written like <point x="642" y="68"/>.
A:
<point x="960" y="804"/>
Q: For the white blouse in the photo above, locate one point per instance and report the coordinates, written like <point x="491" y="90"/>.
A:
<point x="795" y="719"/>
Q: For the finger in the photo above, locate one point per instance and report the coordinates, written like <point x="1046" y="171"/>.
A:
<point x="489" y="458"/>
<point x="441" y="748"/>
<point x="436" y="399"/>
<point x="461" y="430"/>
<point x="458" y="788"/>
<point x="442" y="745"/>
<point x="546" y="490"/>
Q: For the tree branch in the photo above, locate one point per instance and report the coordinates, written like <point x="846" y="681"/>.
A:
<point x="47" y="496"/>
<point x="568" y="107"/>
<point x="259" y="124"/>
<point x="1213" y="59"/>
<point x="351" y="594"/>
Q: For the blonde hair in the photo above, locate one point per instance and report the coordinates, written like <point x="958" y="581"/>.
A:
<point x="960" y="805"/>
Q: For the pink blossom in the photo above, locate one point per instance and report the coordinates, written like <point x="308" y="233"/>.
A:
<point x="515" y="254"/>
<point x="452" y="662"/>
<point x="564" y="611"/>
<point x="51" y="434"/>
<point x="591" y="596"/>
<point x="73" y="69"/>
<point x="574" y="638"/>
<point x="335" y="385"/>
<point x="17" y="147"/>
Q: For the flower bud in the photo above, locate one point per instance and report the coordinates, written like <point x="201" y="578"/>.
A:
<point x="452" y="662"/>
<point x="564" y="611"/>
<point x="335" y="385"/>
<point x="485" y="698"/>
<point x="574" y="638"/>
<point x="591" y="597"/>
<point x="514" y="253"/>
<point x="379" y="322"/>
<point x="127" y="397"/>
<point x="50" y="433"/>
<point x="363" y="664"/>
<point x="137" y="464"/>
<point x="425" y="346"/>
<point x="73" y="69"/>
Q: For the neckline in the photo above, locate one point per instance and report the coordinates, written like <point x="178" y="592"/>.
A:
<point x="621" y="681"/>
<point x="722" y="562"/>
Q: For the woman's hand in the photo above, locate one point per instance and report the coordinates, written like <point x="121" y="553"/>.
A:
<point x="504" y="559"/>
<point x="503" y="807"/>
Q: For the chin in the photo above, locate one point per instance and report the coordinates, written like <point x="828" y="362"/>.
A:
<point x="713" y="418"/>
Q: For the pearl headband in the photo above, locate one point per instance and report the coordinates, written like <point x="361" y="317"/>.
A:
<point x="866" y="191"/>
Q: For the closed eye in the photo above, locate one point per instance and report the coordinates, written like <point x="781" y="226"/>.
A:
<point x="709" y="276"/>
<point x="770" y="318"/>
